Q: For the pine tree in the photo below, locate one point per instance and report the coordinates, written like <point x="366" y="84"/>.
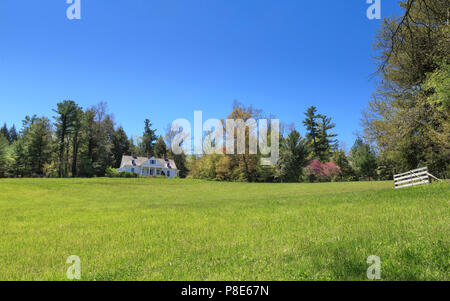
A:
<point x="20" y="166"/>
<point x="67" y="116"/>
<point x="293" y="157"/>
<point x="13" y="136"/>
<point x="39" y="144"/>
<point x="76" y="138"/>
<point x="147" y="144"/>
<point x="160" y="148"/>
<point x="3" y="155"/>
<point x="364" y="160"/>
<point x="5" y="133"/>
<point x="326" y="142"/>
<point x="102" y="156"/>
<point x="312" y="128"/>
<point x="120" y="146"/>
<point x="341" y="160"/>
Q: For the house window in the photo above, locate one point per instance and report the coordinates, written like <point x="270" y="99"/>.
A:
<point x="132" y="170"/>
<point x="168" y="173"/>
<point x="152" y="162"/>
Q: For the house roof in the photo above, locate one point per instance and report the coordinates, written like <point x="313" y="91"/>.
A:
<point x="128" y="161"/>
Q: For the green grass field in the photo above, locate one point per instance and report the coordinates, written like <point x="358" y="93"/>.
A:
<point x="158" y="229"/>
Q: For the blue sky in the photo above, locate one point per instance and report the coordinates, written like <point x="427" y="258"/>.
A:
<point x="163" y="59"/>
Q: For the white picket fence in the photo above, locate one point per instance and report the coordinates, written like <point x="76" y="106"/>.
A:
<point x="419" y="176"/>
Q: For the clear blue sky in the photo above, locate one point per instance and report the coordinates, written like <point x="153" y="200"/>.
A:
<point x="163" y="59"/>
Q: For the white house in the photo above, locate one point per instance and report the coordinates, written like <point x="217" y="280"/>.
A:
<point x="149" y="167"/>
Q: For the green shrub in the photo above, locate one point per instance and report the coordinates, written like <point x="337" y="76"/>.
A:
<point x="128" y="175"/>
<point x="51" y="170"/>
<point x="112" y="173"/>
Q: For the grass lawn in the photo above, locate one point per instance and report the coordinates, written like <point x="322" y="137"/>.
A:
<point x="158" y="229"/>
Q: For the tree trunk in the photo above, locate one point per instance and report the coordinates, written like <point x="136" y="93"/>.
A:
<point x="61" y="145"/>
<point x="75" y="156"/>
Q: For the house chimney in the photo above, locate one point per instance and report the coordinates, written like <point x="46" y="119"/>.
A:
<point x="148" y="156"/>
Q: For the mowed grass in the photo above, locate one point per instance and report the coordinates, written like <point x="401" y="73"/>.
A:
<point x="160" y="229"/>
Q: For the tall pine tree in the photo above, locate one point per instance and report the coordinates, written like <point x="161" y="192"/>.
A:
<point x="147" y="145"/>
<point x="326" y="140"/>
<point x="160" y="148"/>
<point x="120" y="146"/>
<point x="65" y="120"/>
<point x="312" y="130"/>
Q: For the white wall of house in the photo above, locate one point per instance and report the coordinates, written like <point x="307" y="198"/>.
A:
<point x="150" y="168"/>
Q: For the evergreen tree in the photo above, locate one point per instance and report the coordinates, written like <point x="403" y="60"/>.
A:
<point x="39" y="144"/>
<point x="180" y="162"/>
<point x="312" y="128"/>
<point x="20" y="166"/>
<point x="147" y="144"/>
<point x="102" y="155"/>
<point x="5" y="132"/>
<point x="341" y="160"/>
<point x="3" y="155"/>
<point x="293" y="157"/>
<point x="13" y="136"/>
<point x="160" y="148"/>
<point x="77" y="128"/>
<point x="33" y="149"/>
<point x="67" y="116"/>
<point x="134" y="149"/>
<point x="364" y="160"/>
<point x="120" y="146"/>
<point x="326" y="139"/>
<point x="90" y="143"/>
<point x="96" y="152"/>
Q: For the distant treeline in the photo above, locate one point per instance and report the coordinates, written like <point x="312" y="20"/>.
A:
<point x="317" y="157"/>
<point x="78" y="143"/>
<point x="86" y="143"/>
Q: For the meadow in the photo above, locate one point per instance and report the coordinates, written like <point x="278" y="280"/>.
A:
<point x="162" y="229"/>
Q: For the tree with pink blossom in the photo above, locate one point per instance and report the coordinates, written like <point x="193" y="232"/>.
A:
<point x="322" y="172"/>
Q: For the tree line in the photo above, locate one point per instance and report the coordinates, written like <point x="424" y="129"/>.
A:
<point x="74" y="143"/>
<point x="79" y="142"/>
<point x="315" y="158"/>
